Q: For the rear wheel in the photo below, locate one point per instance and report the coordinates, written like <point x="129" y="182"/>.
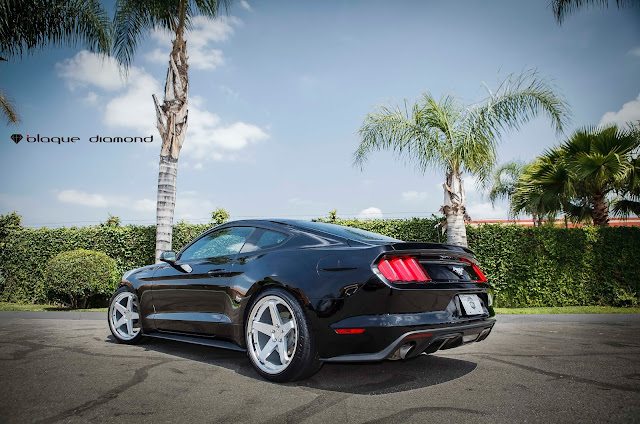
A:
<point x="279" y="339"/>
<point x="124" y="316"/>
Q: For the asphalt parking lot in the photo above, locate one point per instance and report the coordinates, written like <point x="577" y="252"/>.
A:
<point x="66" y="367"/>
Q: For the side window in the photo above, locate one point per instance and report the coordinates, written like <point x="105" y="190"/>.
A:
<point x="265" y="240"/>
<point x="227" y="241"/>
<point x="270" y="239"/>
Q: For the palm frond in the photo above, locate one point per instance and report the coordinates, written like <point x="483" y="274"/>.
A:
<point x="505" y="178"/>
<point x="626" y="207"/>
<point x="564" y="8"/>
<point x="406" y="133"/>
<point x="134" y="18"/>
<point x="27" y="26"/>
<point x="520" y="98"/>
<point x="9" y="113"/>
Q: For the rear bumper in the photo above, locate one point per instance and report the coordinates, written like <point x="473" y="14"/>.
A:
<point x="426" y="340"/>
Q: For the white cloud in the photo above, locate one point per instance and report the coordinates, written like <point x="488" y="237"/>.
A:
<point x="145" y="205"/>
<point x="630" y="112"/>
<point x="634" y="51"/>
<point x="204" y="31"/>
<point x="245" y="5"/>
<point x="88" y="69"/>
<point x="414" y="196"/>
<point x="484" y="210"/>
<point x="97" y="200"/>
<point x="91" y="99"/>
<point x="370" y="213"/>
<point x="81" y="198"/>
<point x="207" y="139"/>
<point x="229" y="92"/>
<point x="132" y="108"/>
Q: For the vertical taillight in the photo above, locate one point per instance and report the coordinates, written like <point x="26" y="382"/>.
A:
<point x="402" y="268"/>
<point x="479" y="275"/>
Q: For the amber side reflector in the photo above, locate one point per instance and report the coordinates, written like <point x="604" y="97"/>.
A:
<point x="476" y="269"/>
<point x="349" y="330"/>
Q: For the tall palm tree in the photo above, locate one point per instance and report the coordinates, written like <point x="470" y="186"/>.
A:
<point x="27" y="26"/>
<point x="586" y="170"/>
<point x="563" y="8"/>
<point x="133" y="20"/>
<point x="455" y="139"/>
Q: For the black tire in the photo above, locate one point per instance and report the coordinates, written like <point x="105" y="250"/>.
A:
<point x="122" y="294"/>
<point x="305" y="361"/>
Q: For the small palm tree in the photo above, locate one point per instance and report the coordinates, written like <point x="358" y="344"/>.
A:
<point x="580" y="175"/>
<point x="455" y="139"/>
<point x="27" y="26"/>
<point x="563" y="8"/>
<point x="528" y="197"/>
<point x="132" y="21"/>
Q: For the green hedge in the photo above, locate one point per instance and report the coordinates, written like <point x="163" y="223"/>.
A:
<point x="542" y="266"/>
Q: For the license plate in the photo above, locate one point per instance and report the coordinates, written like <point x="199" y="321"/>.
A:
<point x="471" y="304"/>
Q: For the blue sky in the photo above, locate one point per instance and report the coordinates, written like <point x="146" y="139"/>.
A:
<point x="278" y="90"/>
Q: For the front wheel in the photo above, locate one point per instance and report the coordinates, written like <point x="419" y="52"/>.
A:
<point x="279" y="339"/>
<point x="124" y="316"/>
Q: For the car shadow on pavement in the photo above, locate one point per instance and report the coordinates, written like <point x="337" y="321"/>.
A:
<point x="364" y="378"/>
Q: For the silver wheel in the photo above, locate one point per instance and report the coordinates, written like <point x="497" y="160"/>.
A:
<point x="123" y="316"/>
<point x="272" y="334"/>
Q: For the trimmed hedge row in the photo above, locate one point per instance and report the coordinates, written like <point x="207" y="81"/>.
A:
<point x="543" y="266"/>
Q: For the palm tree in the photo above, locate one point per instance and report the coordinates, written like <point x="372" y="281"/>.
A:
<point x="586" y="170"/>
<point x="132" y="21"/>
<point x="455" y="139"/>
<point x="562" y="8"/>
<point x="528" y="197"/>
<point x="27" y="26"/>
<point x="505" y="182"/>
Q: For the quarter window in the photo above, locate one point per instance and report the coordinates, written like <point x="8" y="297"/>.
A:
<point x="224" y="242"/>
<point x="270" y="239"/>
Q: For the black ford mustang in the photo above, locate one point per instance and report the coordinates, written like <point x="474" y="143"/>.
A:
<point x="294" y="294"/>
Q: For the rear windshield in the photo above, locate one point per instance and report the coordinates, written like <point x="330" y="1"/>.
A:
<point x="345" y="232"/>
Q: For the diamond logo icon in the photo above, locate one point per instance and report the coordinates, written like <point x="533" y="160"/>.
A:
<point x="16" y="138"/>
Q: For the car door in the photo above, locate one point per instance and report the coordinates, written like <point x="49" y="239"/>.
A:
<point x="189" y="296"/>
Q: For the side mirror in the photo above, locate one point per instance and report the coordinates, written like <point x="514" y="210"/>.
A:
<point x="168" y="257"/>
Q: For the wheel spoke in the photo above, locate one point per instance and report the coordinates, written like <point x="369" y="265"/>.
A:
<point x="120" y="308"/>
<point x="130" y="303"/>
<point x="287" y="326"/>
<point x="266" y="351"/>
<point x="120" y="322"/>
<point x="263" y="327"/>
<point x="134" y="315"/>
<point x="282" y="350"/>
<point x="275" y="315"/>
<point x="129" y="327"/>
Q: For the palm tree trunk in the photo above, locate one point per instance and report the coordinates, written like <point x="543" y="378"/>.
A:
<point x="172" y="125"/>
<point x="455" y="210"/>
<point x="600" y="210"/>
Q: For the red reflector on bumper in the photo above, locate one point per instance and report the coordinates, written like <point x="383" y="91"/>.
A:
<point x="418" y="336"/>
<point x="349" y="330"/>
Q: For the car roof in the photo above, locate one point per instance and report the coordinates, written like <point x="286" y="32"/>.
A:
<point x="324" y="227"/>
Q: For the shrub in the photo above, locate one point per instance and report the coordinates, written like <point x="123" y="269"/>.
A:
<point x="80" y="274"/>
